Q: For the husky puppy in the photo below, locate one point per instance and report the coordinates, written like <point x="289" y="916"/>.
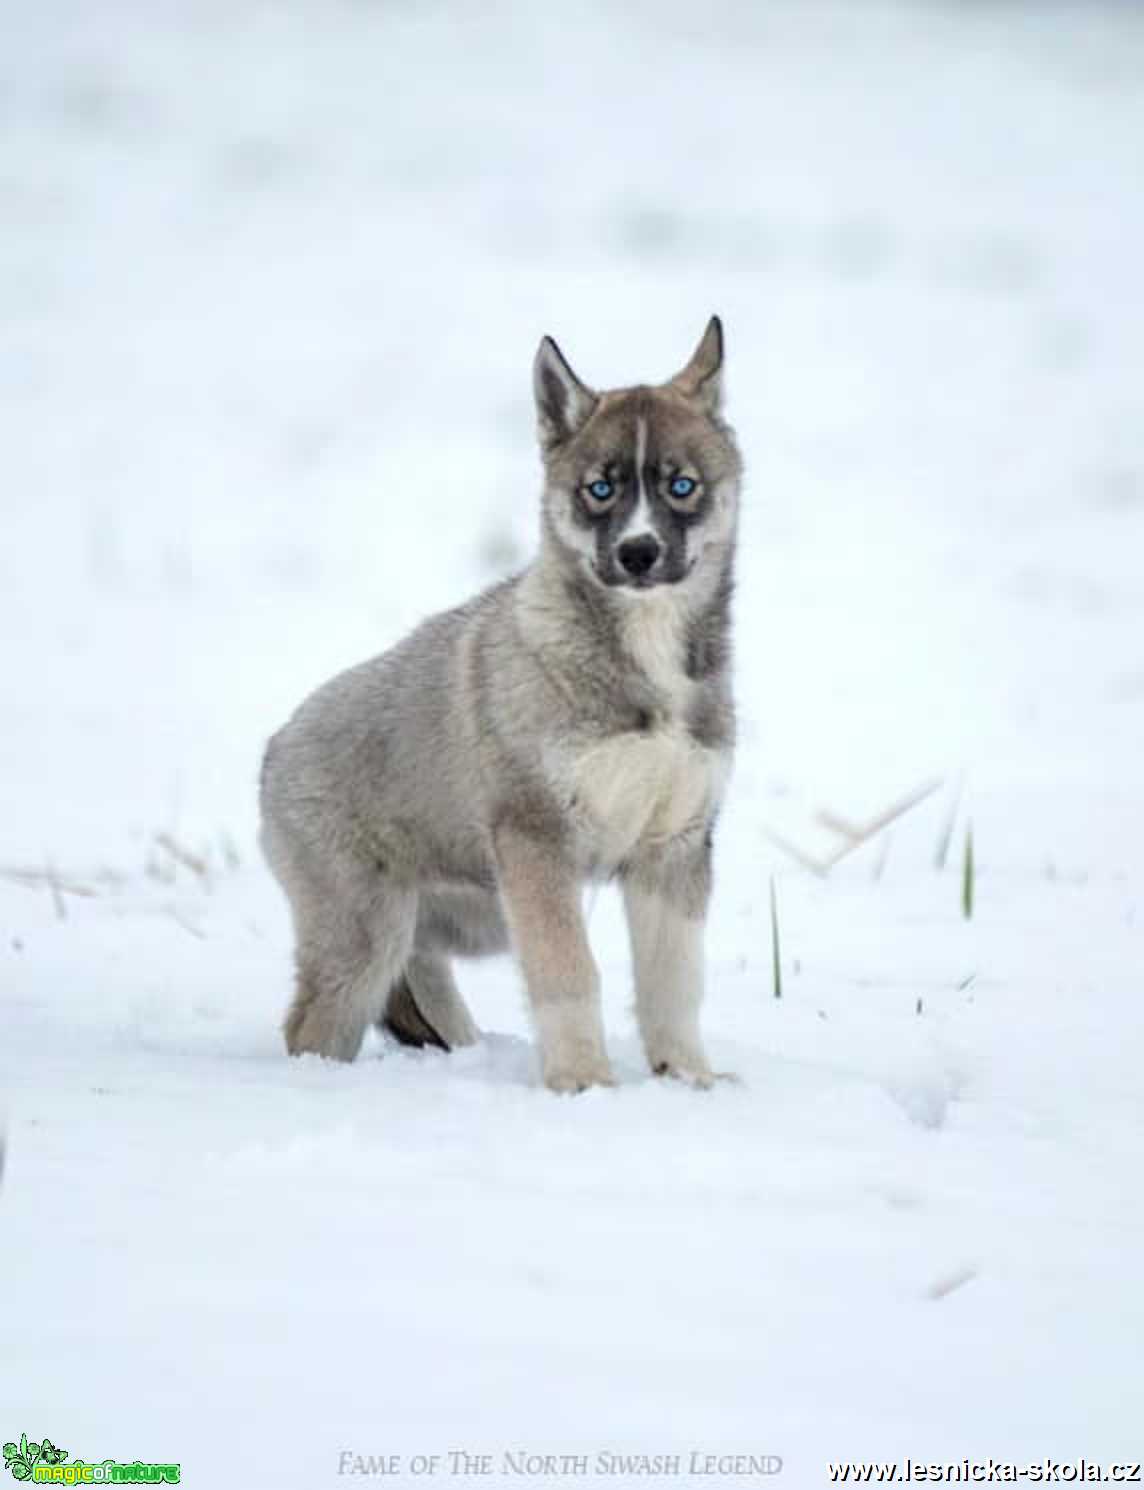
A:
<point x="454" y="795"/>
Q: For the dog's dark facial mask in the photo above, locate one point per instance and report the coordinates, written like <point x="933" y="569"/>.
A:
<point x="639" y="482"/>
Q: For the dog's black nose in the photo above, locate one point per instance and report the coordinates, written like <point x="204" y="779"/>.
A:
<point x="637" y="555"/>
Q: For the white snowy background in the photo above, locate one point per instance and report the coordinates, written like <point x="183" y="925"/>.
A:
<point x="271" y="278"/>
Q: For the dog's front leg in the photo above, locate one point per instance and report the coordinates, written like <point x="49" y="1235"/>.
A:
<point x="541" y="895"/>
<point x="665" y="896"/>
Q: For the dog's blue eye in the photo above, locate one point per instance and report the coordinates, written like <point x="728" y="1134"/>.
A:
<point x="601" y="490"/>
<point x="682" y="486"/>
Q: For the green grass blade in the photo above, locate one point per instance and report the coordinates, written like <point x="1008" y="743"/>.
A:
<point x="776" y="955"/>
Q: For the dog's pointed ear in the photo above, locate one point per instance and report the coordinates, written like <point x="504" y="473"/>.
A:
<point x="563" y="403"/>
<point x="702" y="378"/>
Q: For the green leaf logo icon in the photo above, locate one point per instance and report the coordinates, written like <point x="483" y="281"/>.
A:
<point x="23" y="1457"/>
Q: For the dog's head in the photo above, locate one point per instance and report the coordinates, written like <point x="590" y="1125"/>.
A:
<point x="641" y="484"/>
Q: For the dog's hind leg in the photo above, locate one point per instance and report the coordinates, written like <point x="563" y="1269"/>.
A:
<point x="351" y="950"/>
<point x="425" y="1008"/>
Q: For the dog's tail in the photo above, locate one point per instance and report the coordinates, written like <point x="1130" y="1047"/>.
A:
<point x="405" y="1021"/>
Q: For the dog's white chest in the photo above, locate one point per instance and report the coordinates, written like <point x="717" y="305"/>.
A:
<point x="646" y="788"/>
<point x="653" y="630"/>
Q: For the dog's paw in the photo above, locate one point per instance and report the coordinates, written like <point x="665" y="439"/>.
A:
<point x="573" y="1055"/>
<point x="689" y="1066"/>
<point x="578" y="1076"/>
<point x="696" y="1074"/>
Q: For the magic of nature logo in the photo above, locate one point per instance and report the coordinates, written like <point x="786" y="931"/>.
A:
<point x="43" y="1464"/>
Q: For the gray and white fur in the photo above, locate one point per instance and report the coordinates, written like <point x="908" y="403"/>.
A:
<point x="453" y="796"/>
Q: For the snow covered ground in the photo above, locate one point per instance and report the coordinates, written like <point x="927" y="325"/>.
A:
<point x="271" y="277"/>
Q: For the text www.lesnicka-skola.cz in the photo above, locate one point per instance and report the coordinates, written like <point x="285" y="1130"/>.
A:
<point x="985" y="1472"/>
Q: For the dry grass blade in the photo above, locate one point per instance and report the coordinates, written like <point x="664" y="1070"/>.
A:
<point x="853" y="834"/>
<point x="840" y="825"/>
<point x="177" y="916"/>
<point x="58" y="901"/>
<point x="883" y="857"/>
<point x="808" y="861"/>
<point x="942" y="1287"/>
<point x="896" y="810"/>
<point x="183" y="855"/>
<point x="941" y="854"/>
<point x="39" y="879"/>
